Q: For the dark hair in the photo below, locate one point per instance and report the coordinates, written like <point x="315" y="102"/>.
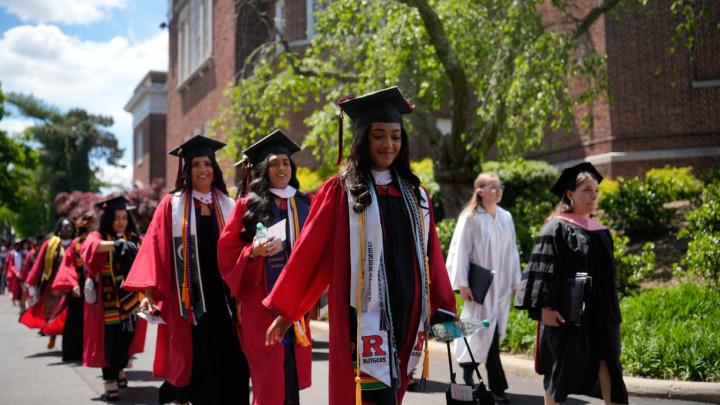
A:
<point x="565" y="205"/>
<point x="106" y="224"/>
<point x="357" y="171"/>
<point x="58" y="225"/>
<point x="258" y="201"/>
<point x="218" y="181"/>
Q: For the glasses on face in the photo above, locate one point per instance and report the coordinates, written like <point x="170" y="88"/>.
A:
<point x="493" y="187"/>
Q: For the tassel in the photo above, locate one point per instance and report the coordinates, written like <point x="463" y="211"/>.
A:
<point x="178" y="179"/>
<point x="426" y="363"/>
<point x="301" y="333"/>
<point x="358" y="389"/>
<point x="186" y="295"/>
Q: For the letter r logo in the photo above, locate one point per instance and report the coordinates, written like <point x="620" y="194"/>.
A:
<point x="372" y="344"/>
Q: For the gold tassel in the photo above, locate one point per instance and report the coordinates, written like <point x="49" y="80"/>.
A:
<point x="358" y="390"/>
<point x="301" y="333"/>
<point x="426" y="363"/>
<point x="186" y="295"/>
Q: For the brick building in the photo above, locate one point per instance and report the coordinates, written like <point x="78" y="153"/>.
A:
<point x="663" y="105"/>
<point x="148" y="106"/>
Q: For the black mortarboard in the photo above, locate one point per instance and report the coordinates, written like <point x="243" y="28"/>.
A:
<point x="276" y="142"/>
<point x="196" y="146"/>
<point x="569" y="175"/>
<point x="386" y="105"/>
<point x="118" y="203"/>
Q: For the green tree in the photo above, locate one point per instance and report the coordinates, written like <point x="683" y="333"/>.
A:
<point x="503" y="75"/>
<point x="16" y="159"/>
<point x="68" y="144"/>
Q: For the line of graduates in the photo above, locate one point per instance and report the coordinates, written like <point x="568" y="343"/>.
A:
<point x="233" y="298"/>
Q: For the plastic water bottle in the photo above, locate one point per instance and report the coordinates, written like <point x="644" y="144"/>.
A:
<point x="458" y="328"/>
<point x="260" y="232"/>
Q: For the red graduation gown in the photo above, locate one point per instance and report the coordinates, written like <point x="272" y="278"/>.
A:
<point x="12" y="273"/>
<point x="247" y="282"/>
<point x="94" y="314"/>
<point x="322" y="256"/>
<point x="35" y="317"/>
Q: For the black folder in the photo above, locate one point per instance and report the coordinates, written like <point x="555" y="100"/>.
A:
<point x="572" y="302"/>
<point x="480" y="280"/>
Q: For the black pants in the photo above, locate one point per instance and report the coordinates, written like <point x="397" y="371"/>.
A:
<point x="292" y="391"/>
<point x="118" y="338"/>
<point x="72" y="341"/>
<point x="496" y="375"/>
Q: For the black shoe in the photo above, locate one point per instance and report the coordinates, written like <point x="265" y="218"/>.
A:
<point x="414" y="386"/>
<point x="500" y="398"/>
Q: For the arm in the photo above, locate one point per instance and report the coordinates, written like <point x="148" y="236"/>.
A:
<point x="307" y="272"/>
<point x="441" y="293"/>
<point x="33" y="278"/>
<point x="458" y="260"/>
<point x="91" y="256"/>
<point x="67" y="276"/>
<point x="515" y="259"/>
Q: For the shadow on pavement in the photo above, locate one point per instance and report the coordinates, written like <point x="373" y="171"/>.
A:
<point x="139" y="375"/>
<point x="320" y="344"/>
<point x="54" y="353"/>
<point x="431" y="386"/>
<point x="522" y="399"/>
<point x="320" y="356"/>
<point x="135" y="395"/>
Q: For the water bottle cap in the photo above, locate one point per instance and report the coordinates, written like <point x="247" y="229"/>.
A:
<point x="486" y="323"/>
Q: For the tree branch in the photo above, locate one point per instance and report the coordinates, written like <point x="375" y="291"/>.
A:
<point x="586" y="22"/>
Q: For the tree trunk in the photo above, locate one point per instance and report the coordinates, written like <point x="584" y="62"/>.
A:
<point x="456" y="189"/>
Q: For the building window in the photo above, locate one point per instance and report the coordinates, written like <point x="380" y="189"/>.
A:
<point x="311" y="7"/>
<point x="194" y="37"/>
<point x="139" y="147"/>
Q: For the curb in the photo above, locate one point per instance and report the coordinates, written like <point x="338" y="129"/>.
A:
<point x="637" y="386"/>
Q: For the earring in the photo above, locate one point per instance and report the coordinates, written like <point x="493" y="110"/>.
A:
<point x="571" y="203"/>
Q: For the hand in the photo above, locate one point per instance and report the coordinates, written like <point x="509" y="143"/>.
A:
<point x="551" y="317"/>
<point x="277" y="330"/>
<point x="266" y="247"/>
<point x="466" y="294"/>
<point x="76" y="291"/>
<point x="147" y="304"/>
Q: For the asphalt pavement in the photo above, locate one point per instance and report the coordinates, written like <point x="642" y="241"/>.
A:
<point x="31" y="374"/>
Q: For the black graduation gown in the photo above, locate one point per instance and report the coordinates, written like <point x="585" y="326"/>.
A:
<point x="402" y="280"/>
<point x="220" y="373"/>
<point x="568" y="356"/>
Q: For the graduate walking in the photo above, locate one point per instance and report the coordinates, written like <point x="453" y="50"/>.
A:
<point x="578" y="343"/>
<point x="250" y="265"/>
<point x="485" y="236"/>
<point x="113" y="332"/>
<point x="370" y="236"/>
<point x="198" y="351"/>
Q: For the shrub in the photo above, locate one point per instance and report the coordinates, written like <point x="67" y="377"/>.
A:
<point x="309" y="180"/>
<point x="527" y="196"/>
<point x="672" y="333"/>
<point x="702" y="260"/>
<point x="424" y="170"/>
<point x="445" y="229"/>
<point x="635" y="208"/>
<point x="632" y="268"/>
<point x="520" y="334"/>
<point x="673" y="183"/>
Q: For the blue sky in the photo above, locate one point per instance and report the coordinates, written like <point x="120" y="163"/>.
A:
<point x="82" y="53"/>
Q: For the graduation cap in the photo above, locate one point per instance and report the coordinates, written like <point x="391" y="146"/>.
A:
<point x="386" y="105"/>
<point x="569" y="175"/>
<point x="196" y="146"/>
<point x="276" y="142"/>
<point x="118" y="203"/>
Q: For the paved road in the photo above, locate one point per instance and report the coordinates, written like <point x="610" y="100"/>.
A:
<point x="30" y="374"/>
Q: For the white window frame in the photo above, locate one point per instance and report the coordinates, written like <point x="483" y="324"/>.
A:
<point x="195" y="38"/>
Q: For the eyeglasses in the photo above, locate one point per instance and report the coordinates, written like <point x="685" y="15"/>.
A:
<point x="492" y="187"/>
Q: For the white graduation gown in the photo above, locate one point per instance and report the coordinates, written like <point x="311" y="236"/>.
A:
<point x="491" y="243"/>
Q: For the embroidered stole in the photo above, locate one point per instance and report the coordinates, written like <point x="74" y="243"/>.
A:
<point x="298" y="209"/>
<point x="118" y="304"/>
<point x="53" y="248"/>
<point x="376" y="351"/>
<point x="185" y="250"/>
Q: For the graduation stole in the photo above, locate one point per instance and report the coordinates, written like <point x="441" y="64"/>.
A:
<point x="79" y="264"/>
<point x="118" y="304"/>
<point x="376" y="350"/>
<point x="53" y="247"/>
<point x="186" y="259"/>
<point x="298" y="209"/>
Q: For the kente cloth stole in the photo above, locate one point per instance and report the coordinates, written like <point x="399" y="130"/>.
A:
<point x="298" y="209"/>
<point x="79" y="264"/>
<point x="185" y="249"/>
<point x="377" y="352"/>
<point x="54" y="248"/>
<point x="118" y="304"/>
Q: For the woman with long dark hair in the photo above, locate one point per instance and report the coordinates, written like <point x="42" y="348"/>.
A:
<point x="113" y="331"/>
<point x="578" y="343"/>
<point x="250" y="265"/>
<point x="44" y="314"/>
<point x="371" y="236"/>
<point x="69" y="281"/>
<point x="198" y="349"/>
